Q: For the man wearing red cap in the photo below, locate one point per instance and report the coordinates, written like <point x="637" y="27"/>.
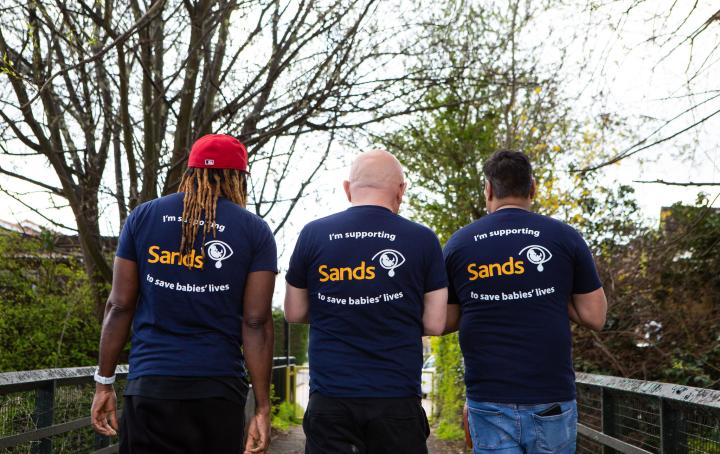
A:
<point x="194" y="275"/>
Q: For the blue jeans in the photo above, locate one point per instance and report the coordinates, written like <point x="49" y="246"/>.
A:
<point x="518" y="429"/>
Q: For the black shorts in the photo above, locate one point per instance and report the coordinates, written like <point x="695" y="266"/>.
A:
<point x="159" y="426"/>
<point x="365" y="426"/>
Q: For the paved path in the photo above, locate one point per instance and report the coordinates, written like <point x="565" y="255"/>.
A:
<point x="293" y="442"/>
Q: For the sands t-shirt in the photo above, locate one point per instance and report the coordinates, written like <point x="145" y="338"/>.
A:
<point x="514" y="272"/>
<point x="188" y="320"/>
<point x="366" y="270"/>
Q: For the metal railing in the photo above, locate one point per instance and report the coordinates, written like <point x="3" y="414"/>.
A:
<point x="48" y="411"/>
<point x="44" y="411"/>
<point x="620" y="415"/>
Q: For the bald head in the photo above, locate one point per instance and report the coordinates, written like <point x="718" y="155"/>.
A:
<point x="376" y="178"/>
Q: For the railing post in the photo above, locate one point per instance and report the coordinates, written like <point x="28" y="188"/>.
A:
<point x="672" y="422"/>
<point x="101" y="441"/>
<point x="43" y="416"/>
<point x="608" y="416"/>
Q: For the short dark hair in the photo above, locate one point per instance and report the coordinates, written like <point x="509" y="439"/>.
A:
<point x="509" y="173"/>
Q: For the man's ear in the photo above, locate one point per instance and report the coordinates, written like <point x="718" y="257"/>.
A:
<point x="488" y="191"/>
<point x="533" y="189"/>
<point x="346" y="187"/>
<point x="400" y="195"/>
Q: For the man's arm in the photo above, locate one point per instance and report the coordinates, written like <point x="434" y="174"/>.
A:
<point x="435" y="312"/>
<point x="297" y="304"/>
<point x="453" y="318"/>
<point x="119" y="312"/>
<point x="257" y="334"/>
<point x="574" y="317"/>
<point x="589" y="309"/>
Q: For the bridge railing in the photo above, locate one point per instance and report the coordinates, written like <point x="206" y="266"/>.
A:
<point x="619" y="415"/>
<point x="48" y="411"/>
<point x="44" y="411"/>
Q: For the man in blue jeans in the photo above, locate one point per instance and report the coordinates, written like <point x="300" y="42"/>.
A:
<point x="517" y="279"/>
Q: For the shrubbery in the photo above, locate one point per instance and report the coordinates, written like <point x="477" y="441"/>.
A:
<point x="46" y="307"/>
<point x="449" y="387"/>
<point x="47" y="314"/>
<point x="298" y="338"/>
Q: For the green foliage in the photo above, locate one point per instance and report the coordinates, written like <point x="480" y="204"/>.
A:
<point x="450" y="388"/>
<point x="286" y="414"/>
<point x="442" y="152"/>
<point x="608" y="217"/>
<point x="46" y="307"/>
<point x="663" y="285"/>
<point x="298" y="338"/>
<point x="707" y="443"/>
<point x="449" y="430"/>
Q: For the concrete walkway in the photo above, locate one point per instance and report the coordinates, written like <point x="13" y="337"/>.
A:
<point x="293" y="442"/>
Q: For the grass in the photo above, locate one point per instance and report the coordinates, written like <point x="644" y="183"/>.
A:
<point x="285" y="415"/>
<point x="449" y="431"/>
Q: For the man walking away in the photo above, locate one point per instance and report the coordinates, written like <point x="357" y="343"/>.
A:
<point x="370" y="283"/>
<point x="517" y="279"/>
<point x="194" y="274"/>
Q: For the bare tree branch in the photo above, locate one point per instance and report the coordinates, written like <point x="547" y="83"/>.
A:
<point x="676" y="183"/>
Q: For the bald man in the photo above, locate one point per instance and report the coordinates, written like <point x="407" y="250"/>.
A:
<point x="370" y="283"/>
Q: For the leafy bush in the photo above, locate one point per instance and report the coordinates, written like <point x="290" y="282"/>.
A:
<point x="450" y="391"/>
<point x="46" y="307"/>
<point x="298" y="338"/>
<point x="286" y="414"/>
<point x="663" y="287"/>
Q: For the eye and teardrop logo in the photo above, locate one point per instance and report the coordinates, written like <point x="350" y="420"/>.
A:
<point x="537" y="255"/>
<point x="218" y="251"/>
<point x="390" y="259"/>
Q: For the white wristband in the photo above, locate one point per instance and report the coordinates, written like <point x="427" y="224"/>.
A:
<point x="104" y="380"/>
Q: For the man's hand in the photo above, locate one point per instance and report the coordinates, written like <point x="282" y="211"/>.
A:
<point x="103" y="412"/>
<point x="258" y="438"/>
<point x="257" y="332"/>
<point x="119" y="312"/>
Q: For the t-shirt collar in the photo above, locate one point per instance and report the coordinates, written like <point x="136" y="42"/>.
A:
<point x="510" y="210"/>
<point x="370" y="208"/>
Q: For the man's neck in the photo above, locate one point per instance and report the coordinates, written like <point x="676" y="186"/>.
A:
<point x="377" y="203"/>
<point x="512" y="203"/>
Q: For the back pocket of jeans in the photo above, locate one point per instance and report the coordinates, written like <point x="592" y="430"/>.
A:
<point x="489" y="429"/>
<point x="555" y="432"/>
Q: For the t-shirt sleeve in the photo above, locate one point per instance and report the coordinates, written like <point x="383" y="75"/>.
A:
<point x="126" y="243"/>
<point x="297" y="273"/>
<point x="585" y="275"/>
<point x="448" y="256"/>
<point x="435" y="275"/>
<point x="265" y="251"/>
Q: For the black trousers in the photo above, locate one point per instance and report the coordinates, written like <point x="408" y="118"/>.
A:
<point x="365" y="426"/>
<point x="164" y="426"/>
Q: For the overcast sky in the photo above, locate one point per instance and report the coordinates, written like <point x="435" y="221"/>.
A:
<point x="635" y="80"/>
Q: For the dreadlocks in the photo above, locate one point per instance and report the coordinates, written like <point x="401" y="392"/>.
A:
<point x="202" y="188"/>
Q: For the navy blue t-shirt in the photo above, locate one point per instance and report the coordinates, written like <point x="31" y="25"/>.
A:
<point x="188" y="320"/>
<point x="514" y="273"/>
<point x="366" y="270"/>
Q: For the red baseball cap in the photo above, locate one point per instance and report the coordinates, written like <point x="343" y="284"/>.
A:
<point x="218" y="151"/>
